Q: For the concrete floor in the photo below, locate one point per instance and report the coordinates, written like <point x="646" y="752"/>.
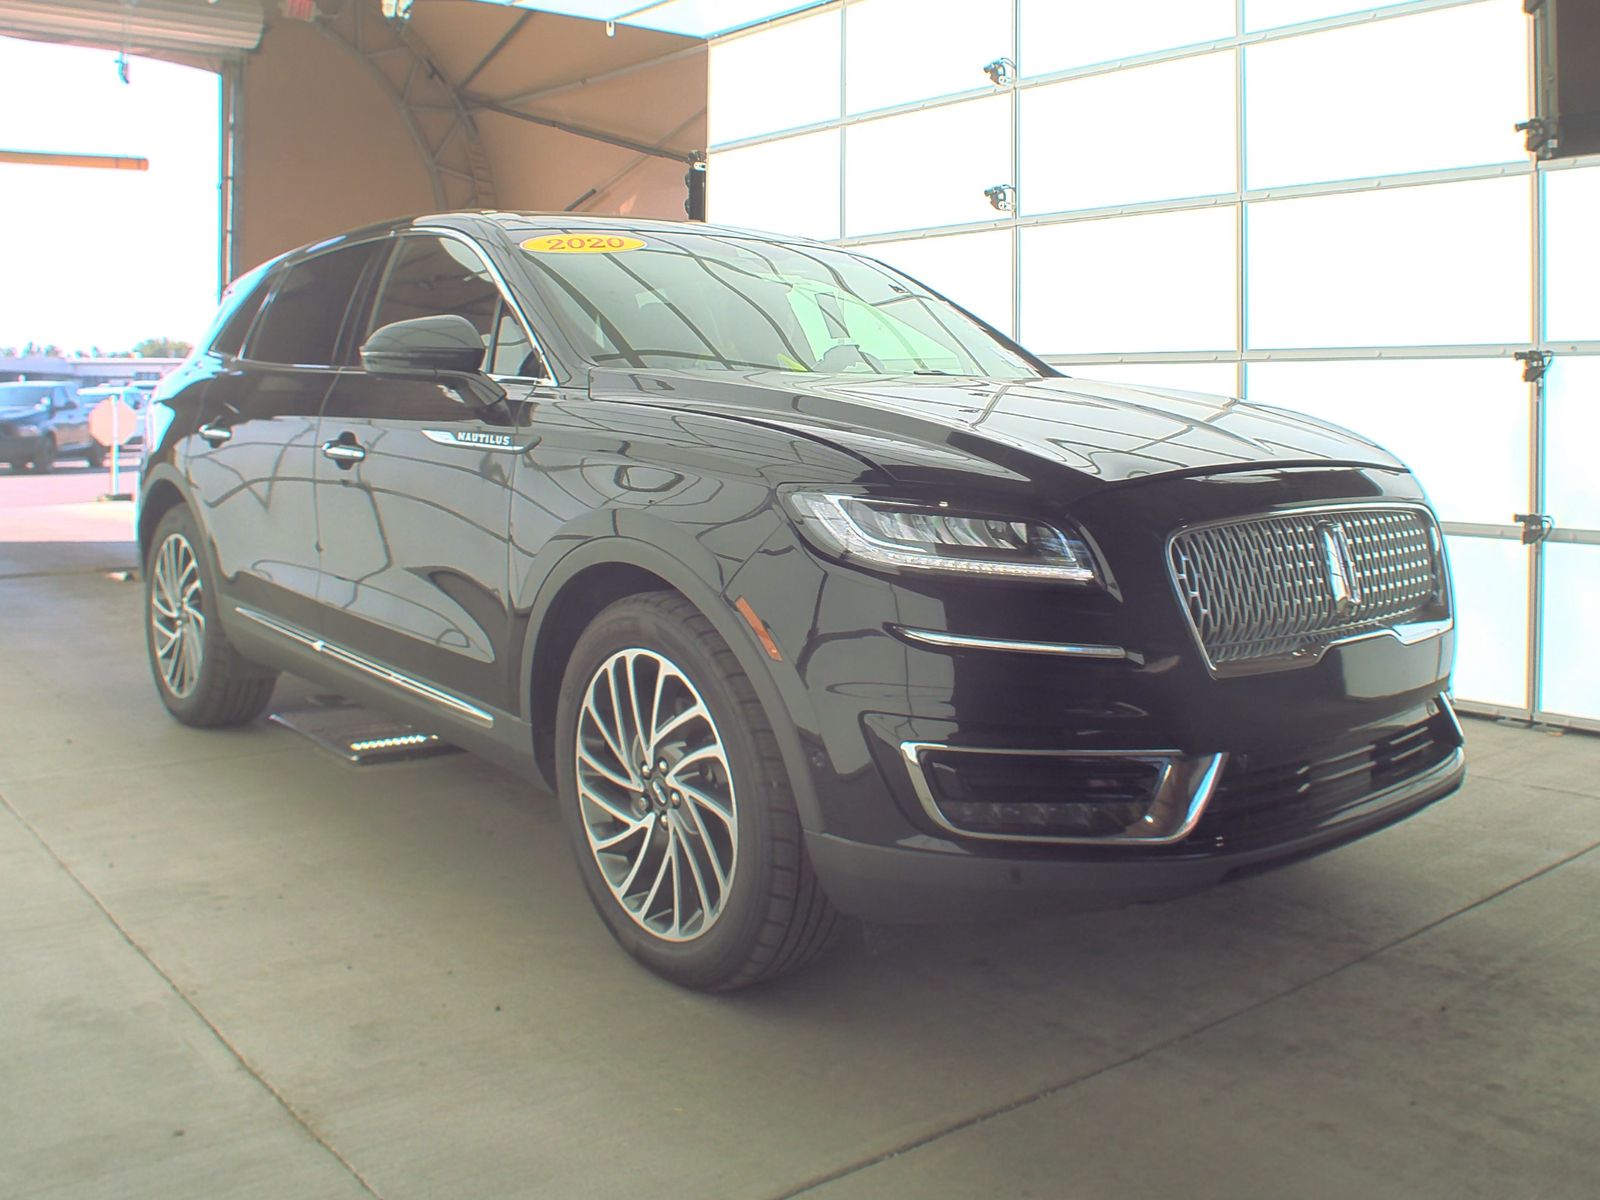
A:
<point x="233" y="966"/>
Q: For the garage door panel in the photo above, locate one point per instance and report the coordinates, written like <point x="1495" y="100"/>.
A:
<point x="1176" y="132"/>
<point x="1491" y="603"/>
<point x="1570" y="663"/>
<point x="1057" y="36"/>
<point x="1466" y="68"/>
<point x="926" y="169"/>
<point x="1572" y="254"/>
<point x="972" y="269"/>
<point x="788" y="186"/>
<point x="1128" y="284"/>
<point x="1442" y="264"/>
<point x="1462" y="425"/>
<point x="938" y="47"/>
<point x="774" y="79"/>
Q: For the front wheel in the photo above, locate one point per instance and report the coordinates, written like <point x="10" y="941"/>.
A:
<point x="199" y="675"/>
<point x="678" y="803"/>
<point x="44" y="458"/>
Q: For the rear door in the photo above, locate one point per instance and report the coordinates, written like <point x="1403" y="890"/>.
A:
<point x="413" y="487"/>
<point x="252" y="459"/>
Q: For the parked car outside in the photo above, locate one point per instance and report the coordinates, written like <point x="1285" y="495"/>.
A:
<point x="43" y="421"/>
<point x="808" y="593"/>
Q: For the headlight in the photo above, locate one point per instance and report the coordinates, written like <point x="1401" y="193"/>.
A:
<point x="27" y="430"/>
<point x="937" y="538"/>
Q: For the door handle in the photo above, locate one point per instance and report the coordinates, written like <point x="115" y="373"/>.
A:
<point x="215" y="434"/>
<point x="343" y="453"/>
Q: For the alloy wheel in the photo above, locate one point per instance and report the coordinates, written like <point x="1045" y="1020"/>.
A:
<point x="655" y="795"/>
<point x="177" y="619"/>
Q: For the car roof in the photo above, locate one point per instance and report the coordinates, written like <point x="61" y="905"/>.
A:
<point x="521" y="223"/>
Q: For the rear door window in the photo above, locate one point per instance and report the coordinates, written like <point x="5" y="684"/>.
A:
<point x="230" y="338"/>
<point x="303" y="318"/>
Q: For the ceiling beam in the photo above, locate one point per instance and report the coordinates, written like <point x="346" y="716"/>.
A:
<point x="594" y="135"/>
<point x="573" y="85"/>
<point x="505" y="39"/>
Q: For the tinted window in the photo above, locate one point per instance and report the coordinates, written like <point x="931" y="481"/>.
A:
<point x="302" y="321"/>
<point x="434" y="276"/>
<point x="246" y="303"/>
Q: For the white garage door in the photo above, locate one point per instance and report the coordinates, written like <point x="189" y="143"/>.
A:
<point x="1313" y="203"/>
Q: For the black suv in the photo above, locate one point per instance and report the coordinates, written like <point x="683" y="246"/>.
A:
<point x="805" y="591"/>
<point x="40" y="422"/>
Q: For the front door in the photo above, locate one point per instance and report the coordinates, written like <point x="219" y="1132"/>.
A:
<point x="413" y="494"/>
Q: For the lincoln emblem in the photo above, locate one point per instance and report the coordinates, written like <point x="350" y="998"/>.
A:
<point x="1342" y="581"/>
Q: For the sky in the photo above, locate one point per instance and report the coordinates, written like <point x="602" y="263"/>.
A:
<point x="106" y="258"/>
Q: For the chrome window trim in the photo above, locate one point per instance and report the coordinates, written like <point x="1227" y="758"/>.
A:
<point x="1187" y="781"/>
<point x="507" y="295"/>
<point x="1407" y="633"/>
<point x="378" y="671"/>
<point x="960" y="641"/>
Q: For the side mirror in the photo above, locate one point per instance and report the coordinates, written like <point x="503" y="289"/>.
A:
<point x="445" y="349"/>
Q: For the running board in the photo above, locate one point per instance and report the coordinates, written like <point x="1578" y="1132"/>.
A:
<point x="358" y="735"/>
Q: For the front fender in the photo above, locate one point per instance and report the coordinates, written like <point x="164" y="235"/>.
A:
<point x="679" y="561"/>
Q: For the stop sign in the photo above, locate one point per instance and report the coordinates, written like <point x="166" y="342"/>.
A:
<point x="113" y="421"/>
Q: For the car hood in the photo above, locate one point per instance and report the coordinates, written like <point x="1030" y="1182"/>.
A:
<point x="1095" y="432"/>
<point x="17" y="412"/>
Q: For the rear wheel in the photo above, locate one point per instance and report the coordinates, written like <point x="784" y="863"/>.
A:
<point x="200" y="677"/>
<point x="95" y="455"/>
<point x="678" y="802"/>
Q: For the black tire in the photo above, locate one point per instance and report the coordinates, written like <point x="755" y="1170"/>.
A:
<point x="772" y="917"/>
<point x="224" y="688"/>
<point x="44" y="458"/>
<point x="95" y="455"/>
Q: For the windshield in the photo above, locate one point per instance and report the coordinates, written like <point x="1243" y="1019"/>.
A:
<point x="25" y="395"/>
<point x="690" y="301"/>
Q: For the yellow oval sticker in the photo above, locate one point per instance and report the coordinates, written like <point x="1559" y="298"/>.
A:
<point x="581" y="243"/>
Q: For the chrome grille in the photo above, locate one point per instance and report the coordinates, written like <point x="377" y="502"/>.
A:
<point x="1269" y="586"/>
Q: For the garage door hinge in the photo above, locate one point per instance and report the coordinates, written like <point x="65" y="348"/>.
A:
<point x="1535" y="527"/>
<point x="1534" y="364"/>
<point x="1002" y="197"/>
<point x="1002" y="72"/>
<point x="1543" y="135"/>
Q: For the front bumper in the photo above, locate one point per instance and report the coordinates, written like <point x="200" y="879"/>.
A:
<point x="892" y="680"/>
<point x="925" y="879"/>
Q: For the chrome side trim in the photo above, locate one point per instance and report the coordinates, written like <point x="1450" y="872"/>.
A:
<point x="959" y="641"/>
<point x="471" y="439"/>
<point x="365" y="665"/>
<point x="1186" y="786"/>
